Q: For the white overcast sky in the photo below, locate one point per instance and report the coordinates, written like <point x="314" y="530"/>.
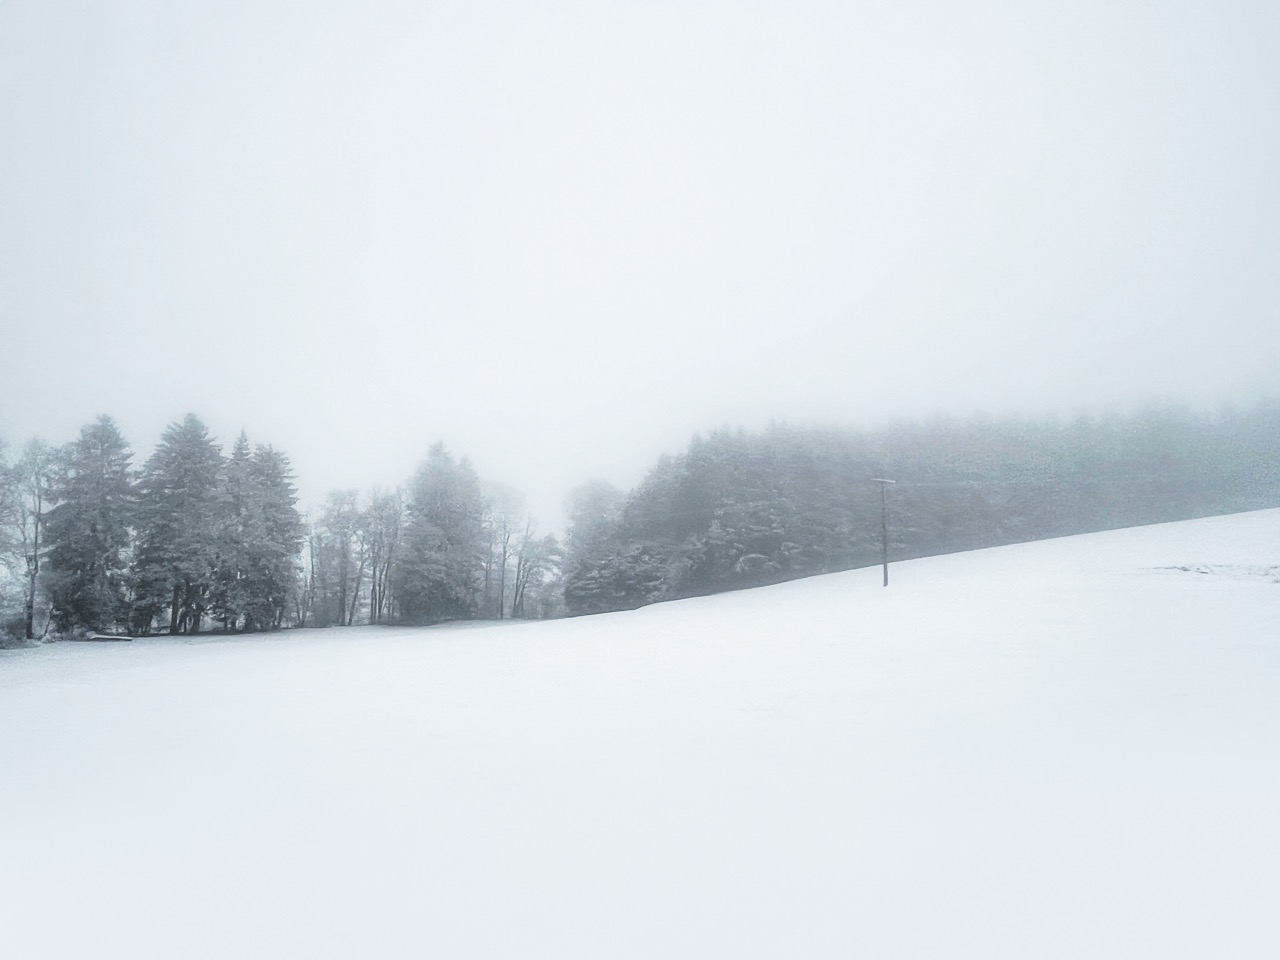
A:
<point x="565" y="236"/>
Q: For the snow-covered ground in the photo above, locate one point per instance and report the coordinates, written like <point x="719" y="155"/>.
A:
<point x="1059" y="749"/>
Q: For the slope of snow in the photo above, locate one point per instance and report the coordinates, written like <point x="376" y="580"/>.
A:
<point x="1059" y="749"/>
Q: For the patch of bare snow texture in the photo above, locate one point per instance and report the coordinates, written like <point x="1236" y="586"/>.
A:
<point x="1047" y="750"/>
<point x="1268" y="574"/>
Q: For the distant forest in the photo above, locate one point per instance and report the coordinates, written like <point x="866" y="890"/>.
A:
<point x="196" y="539"/>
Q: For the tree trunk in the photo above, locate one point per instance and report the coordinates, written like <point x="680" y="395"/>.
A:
<point x="502" y="574"/>
<point x="29" y="610"/>
<point x="33" y="568"/>
<point x="384" y="594"/>
<point x="355" y="593"/>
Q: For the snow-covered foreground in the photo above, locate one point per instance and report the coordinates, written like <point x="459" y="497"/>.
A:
<point x="1061" y="749"/>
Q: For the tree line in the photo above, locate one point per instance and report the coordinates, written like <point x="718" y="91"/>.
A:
<point x="741" y="510"/>
<point x="196" y="539"/>
<point x="447" y="547"/>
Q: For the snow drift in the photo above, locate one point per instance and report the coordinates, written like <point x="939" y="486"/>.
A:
<point x="1057" y="749"/>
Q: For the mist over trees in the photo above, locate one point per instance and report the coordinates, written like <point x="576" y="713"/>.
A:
<point x="740" y="510"/>
<point x="195" y="539"/>
<point x="446" y="547"/>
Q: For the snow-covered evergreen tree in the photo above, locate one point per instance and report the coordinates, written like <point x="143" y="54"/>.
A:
<point x="181" y="501"/>
<point x="239" y="530"/>
<point x="88" y="531"/>
<point x="438" y="576"/>
<point x="277" y="541"/>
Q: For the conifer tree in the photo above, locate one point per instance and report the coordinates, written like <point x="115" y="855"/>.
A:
<point x="240" y="532"/>
<point x="273" y="561"/>
<point x="180" y="500"/>
<point x="438" y="576"/>
<point x="88" y="530"/>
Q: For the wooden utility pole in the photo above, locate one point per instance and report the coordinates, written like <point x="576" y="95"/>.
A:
<point x="884" y="525"/>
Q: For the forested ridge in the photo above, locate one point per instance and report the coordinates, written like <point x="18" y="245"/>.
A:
<point x="193" y="539"/>
<point x="740" y="510"/>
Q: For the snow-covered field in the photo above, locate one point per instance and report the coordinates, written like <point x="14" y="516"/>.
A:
<point x="1060" y="749"/>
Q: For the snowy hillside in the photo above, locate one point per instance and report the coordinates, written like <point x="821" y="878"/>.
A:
<point x="1060" y="749"/>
